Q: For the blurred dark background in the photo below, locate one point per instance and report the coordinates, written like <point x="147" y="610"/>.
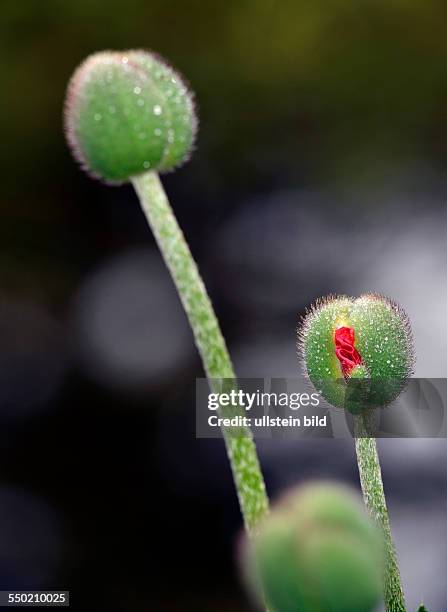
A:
<point x="320" y="167"/>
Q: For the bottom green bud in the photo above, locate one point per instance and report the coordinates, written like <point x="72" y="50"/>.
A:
<point x="317" y="552"/>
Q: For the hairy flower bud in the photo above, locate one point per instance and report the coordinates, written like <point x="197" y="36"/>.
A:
<point x="357" y="352"/>
<point x="317" y="550"/>
<point x="126" y="113"/>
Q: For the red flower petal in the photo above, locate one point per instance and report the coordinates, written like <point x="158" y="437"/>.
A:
<point x="347" y="354"/>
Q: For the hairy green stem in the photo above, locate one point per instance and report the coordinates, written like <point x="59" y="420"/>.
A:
<point x="374" y="495"/>
<point x="241" y="449"/>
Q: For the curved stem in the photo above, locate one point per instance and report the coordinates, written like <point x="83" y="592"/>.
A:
<point x="241" y="450"/>
<point x="374" y="495"/>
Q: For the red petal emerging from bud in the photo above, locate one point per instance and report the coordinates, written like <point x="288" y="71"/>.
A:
<point x="347" y="354"/>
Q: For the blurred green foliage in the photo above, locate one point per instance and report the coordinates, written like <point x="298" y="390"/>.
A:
<point x="314" y="91"/>
<point x="328" y="83"/>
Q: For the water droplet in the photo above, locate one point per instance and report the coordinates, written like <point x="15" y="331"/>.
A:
<point x="98" y="117"/>
<point x="146" y="164"/>
<point x="157" y="109"/>
<point x="137" y="90"/>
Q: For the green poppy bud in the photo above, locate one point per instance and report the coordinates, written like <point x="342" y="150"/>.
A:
<point x="357" y="352"/>
<point x="126" y="113"/>
<point x="317" y="550"/>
